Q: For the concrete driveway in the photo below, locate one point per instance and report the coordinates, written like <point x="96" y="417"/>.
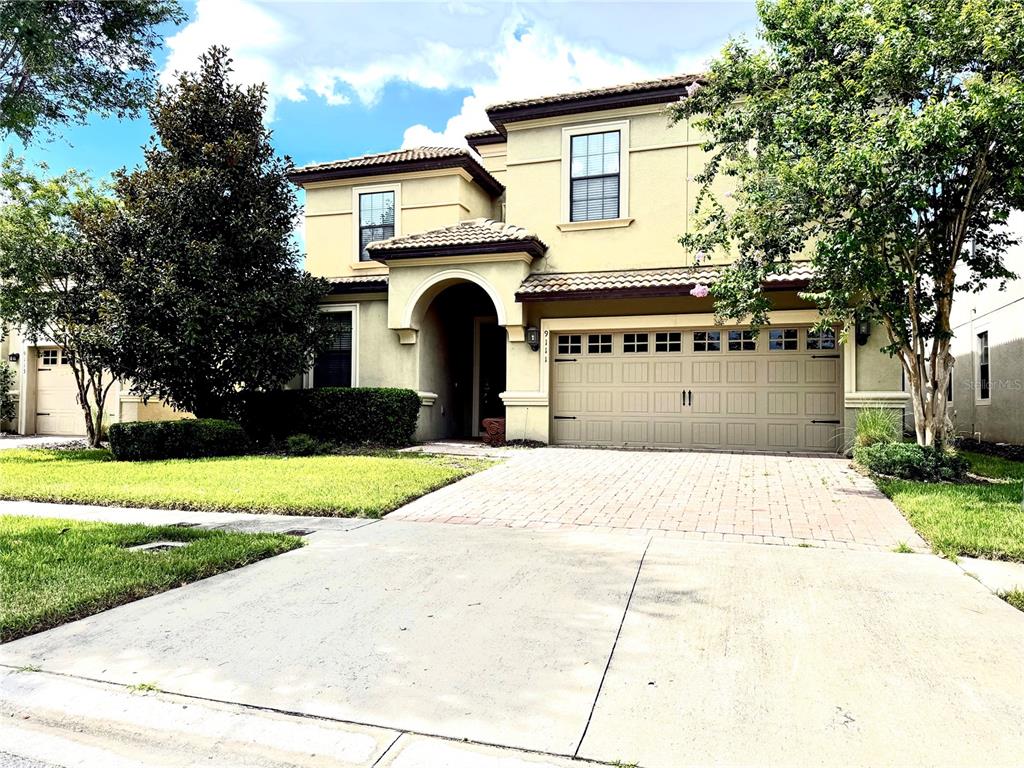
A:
<point x="631" y="647"/>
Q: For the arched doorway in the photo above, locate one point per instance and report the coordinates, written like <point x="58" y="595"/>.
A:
<point x="462" y="351"/>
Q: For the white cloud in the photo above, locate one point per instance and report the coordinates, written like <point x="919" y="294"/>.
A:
<point x="343" y="52"/>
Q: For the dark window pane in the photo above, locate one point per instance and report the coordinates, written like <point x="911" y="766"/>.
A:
<point x="333" y="366"/>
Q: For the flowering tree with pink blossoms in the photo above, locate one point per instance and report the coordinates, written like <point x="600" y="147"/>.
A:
<point x="884" y="141"/>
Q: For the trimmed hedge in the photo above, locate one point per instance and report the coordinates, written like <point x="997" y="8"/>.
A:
<point x="348" y="416"/>
<point x="181" y="439"/>
<point x="910" y="461"/>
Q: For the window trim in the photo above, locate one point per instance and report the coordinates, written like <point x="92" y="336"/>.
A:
<point x="980" y="331"/>
<point x="307" y="377"/>
<point x="636" y="341"/>
<point x="610" y="343"/>
<point x="668" y="342"/>
<point x="742" y="340"/>
<point x="783" y="330"/>
<point x="808" y="338"/>
<point x="622" y="126"/>
<point x="396" y="188"/>
<point x="569" y="343"/>
<point x="705" y="341"/>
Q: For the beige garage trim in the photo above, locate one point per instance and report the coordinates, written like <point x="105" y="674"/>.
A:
<point x="712" y="387"/>
<point x="57" y="409"/>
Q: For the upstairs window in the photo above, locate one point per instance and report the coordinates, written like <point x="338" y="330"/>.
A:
<point x="984" y="385"/>
<point x="594" y="176"/>
<point x="376" y="219"/>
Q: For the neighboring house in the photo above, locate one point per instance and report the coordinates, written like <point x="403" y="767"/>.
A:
<point x="988" y="380"/>
<point x="541" y="280"/>
<point x="47" y="395"/>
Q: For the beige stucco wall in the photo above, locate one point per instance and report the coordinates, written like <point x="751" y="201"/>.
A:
<point x="662" y="160"/>
<point x="1001" y="314"/>
<point x="427" y="201"/>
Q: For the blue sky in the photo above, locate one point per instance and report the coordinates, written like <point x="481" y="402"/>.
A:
<point x="350" y="78"/>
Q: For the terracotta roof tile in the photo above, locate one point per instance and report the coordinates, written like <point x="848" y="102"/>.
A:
<point x="358" y="284"/>
<point x="469" y="233"/>
<point x="420" y="158"/>
<point x="625" y="89"/>
<point x="666" y="281"/>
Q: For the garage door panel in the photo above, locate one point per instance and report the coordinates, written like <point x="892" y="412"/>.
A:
<point x="821" y="404"/>
<point x="741" y="433"/>
<point x="821" y="371"/>
<point x="599" y="402"/>
<point x="684" y="395"/>
<point x="568" y="373"/>
<point x="740" y="372"/>
<point x="783" y="371"/>
<point x="637" y="432"/>
<point x="783" y="403"/>
<point x="706" y="372"/>
<point x="741" y="403"/>
<point x="668" y="434"/>
<point x="707" y="434"/>
<point x="667" y="402"/>
<point x="707" y="402"/>
<point x="599" y="373"/>
<point x="635" y="372"/>
<point x="668" y="373"/>
<point x="56" y="395"/>
<point x="785" y="436"/>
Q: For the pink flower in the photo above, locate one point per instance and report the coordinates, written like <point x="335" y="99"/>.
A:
<point x="699" y="290"/>
<point x="692" y="88"/>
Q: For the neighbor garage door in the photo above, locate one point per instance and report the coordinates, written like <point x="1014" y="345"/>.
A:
<point x="57" y="409"/>
<point x="705" y="388"/>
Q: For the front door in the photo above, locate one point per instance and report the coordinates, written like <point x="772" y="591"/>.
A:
<point x="492" y="371"/>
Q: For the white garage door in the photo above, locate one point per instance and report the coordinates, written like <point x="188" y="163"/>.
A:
<point x="705" y="388"/>
<point x="57" y="409"/>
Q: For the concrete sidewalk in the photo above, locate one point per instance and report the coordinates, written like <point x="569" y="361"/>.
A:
<point x="575" y="644"/>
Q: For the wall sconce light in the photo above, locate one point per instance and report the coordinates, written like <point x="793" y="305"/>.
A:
<point x="863" y="331"/>
<point x="13" y="357"/>
<point x="533" y="337"/>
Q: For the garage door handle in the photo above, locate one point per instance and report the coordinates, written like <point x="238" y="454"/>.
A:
<point x="564" y="418"/>
<point x="824" y="421"/>
<point x="565" y="359"/>
<point x="815" y="357"/>
<point x="690" y="391"/>
<point x="42" y="414"/>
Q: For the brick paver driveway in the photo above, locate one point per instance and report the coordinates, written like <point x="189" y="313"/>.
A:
<point x="760" y="498"/>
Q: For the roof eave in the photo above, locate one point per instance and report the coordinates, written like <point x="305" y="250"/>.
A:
<point x="653" y="292"/>
<point x="533" y="248"/>
<point x="499" y="116"/>
<point x="479" y="174"/>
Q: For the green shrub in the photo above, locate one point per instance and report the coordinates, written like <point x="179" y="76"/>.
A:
<point x="344" y="416"/>
<point x="182" y="439"/>
<point x="8" y="412"/>
<point x="911" y="461"/>
<point x="878" y="425"/>
<point x="304" y="445"/>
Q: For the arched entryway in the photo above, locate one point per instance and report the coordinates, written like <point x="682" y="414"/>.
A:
<point x="462" y="359"/>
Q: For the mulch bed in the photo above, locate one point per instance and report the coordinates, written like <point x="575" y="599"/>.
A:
<point x="1002" y="450"/>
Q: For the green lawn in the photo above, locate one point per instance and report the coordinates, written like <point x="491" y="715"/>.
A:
<point x="54" y="571"/>
<point x="343" y="486"/>
<point x="974" y="519"/>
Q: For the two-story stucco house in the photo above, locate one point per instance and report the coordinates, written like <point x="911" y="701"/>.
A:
<point x="539" y="277"/>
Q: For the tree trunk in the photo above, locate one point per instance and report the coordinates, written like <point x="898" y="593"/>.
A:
<point x="928" y="379"/>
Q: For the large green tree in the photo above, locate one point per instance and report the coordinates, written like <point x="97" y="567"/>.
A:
<point x="884" y="140"/>
<point x="60" y="60"/>
<point x="50" y="284"/>
<point x="205" y="292"/>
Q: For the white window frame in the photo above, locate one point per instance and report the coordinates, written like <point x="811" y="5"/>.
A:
<point x="622" y="126"/>
<point x="396" y="188"/>
<point x="307" y="377"/>
<point x="978" y="330"/>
